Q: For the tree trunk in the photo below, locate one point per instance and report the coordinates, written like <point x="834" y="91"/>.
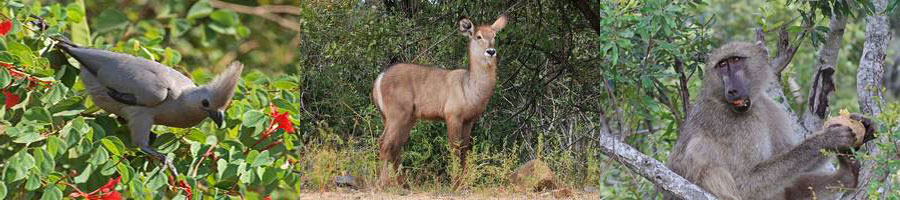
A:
<point x="823" y="84"/>
<point x="868" y="88"/>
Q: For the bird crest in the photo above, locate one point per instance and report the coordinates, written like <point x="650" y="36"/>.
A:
<point x="222" y="87"/>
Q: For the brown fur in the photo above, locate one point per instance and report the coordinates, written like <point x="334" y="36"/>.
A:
<point x="405" y="93"/>
<point x="754" y="154"/>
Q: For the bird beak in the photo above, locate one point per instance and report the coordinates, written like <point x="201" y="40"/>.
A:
<point x="217" y="116"/>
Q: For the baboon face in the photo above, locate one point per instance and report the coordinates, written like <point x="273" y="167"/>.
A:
<point x="737" y="73"/>
<point x="732" y="73"/>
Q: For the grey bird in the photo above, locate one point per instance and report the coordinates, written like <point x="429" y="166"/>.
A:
<point x="144" y="92"/>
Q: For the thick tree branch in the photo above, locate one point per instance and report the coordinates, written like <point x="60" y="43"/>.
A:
<point x="822" y="81"/>
<point x="649" y="168"/>
<point x="775" y="89"/>
<point x="868" y="88"/>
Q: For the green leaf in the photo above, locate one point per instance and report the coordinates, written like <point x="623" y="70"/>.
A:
<point x="114" y="145"/>
<point x="57" y="93"/>
<point x="74" y="13"/>
<point x="52" y="193"/>
<point x="110" y="19"/>
<point x="178" y="27"/>
<point x="253" y="118"/>
<point x="19" y="164"/>
<point x="196" y="135"/>
<point x="200" y="9"/>
<point x="33" y="183"/>
<point x="224" y="17"/>
<point x="126" y="171"/>
<point x="2" y="190"/>
<point x="171" y="57"/>
<point x="28" y="137"/>
<point x="99" y="157"/>
<point x="22" y="52"/>
<point x="45" y="162"/>
<point x="84" y="174"/>
<point x="39" y="114"/>
<point x="284" y="84"/>
<point x="243" y="31"/>
<point x="56" y="146"/>
<point x="5" y="79"/>
<point x="262" y="159"/>
<point x="81" y="33"/>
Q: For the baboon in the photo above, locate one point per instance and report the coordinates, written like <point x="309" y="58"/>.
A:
<point x="405" y="93"/>
<point x="737" y="143"/>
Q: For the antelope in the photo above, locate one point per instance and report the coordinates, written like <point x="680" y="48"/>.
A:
<point x="405" y="93"/>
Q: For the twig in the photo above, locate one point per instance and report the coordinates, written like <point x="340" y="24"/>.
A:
<point x="683" y="89"/>
<point x="264" y="12"/>
<point x="430" y="47"/>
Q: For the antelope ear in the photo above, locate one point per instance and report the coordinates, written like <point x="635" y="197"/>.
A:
<point x="499" y="24"/>
<point x="466" y="27"/>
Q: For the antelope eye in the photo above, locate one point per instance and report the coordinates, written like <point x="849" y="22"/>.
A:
<point x="205" y="103"/>
<point x="478" y="37"/>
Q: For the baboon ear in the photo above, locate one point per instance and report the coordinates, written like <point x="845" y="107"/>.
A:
<point x="499" y="24"/>
<point x="466" y="27"/>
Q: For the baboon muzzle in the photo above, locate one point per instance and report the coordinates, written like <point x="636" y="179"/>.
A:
<point x="736" y="94"/>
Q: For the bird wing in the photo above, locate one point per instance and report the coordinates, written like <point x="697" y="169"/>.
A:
<point x="131" y="80"/>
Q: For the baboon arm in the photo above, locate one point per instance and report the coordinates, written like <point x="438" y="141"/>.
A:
<point x="786" y="164"/>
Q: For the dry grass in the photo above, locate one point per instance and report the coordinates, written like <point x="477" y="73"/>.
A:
<point x="495" y="193"/>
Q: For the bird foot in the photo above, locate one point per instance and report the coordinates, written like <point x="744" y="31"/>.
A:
<point x="166" y="163"/>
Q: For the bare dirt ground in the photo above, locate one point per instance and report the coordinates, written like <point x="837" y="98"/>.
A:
<point x="438" y="195"/>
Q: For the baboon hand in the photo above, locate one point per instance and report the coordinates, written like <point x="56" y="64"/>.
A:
<point x="837" y="137"/>
<point x="868" y="123"/>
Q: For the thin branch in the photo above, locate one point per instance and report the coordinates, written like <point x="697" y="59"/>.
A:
<point x="785" y="51"/>
<point x="683" y="89"/>
<point x="262" y="11"/>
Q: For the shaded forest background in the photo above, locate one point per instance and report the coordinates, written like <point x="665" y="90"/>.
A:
<point x="569" y="70"/>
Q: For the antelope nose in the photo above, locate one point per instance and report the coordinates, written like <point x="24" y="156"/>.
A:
<point x="491" y="52"/>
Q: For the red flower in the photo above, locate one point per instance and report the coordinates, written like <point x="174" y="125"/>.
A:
<point x="114" y="195"/>
<point x="105" y="192"/>
<point x="268" y="198"/>
<point x="5" y="26"/>
<point x="187" y="189"/>
<point x="11" y="99"/>
<point x="282" y="120"/>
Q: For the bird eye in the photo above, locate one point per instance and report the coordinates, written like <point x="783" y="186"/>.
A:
<point x="205" y="103"/>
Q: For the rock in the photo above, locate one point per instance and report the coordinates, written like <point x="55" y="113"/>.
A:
<point x="534" y="176"/>
<point x="345" y="181"/>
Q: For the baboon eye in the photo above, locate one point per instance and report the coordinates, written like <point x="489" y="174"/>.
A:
<point x="205" y="103"/>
